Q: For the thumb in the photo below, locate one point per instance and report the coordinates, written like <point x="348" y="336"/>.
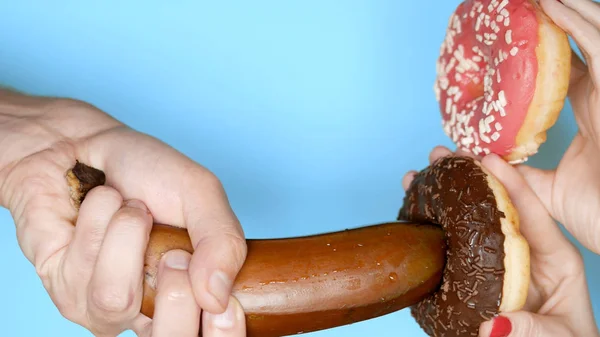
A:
<point x="215" y="263"/>
<point x="219" y="245"/>
<point x="524" y="324"/>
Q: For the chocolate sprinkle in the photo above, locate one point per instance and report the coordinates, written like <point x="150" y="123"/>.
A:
<point x="454" y="193"/>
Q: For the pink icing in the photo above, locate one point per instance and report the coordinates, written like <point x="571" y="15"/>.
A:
<point x="487" y="73"/>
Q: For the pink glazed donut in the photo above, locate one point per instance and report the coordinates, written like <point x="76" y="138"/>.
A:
<point x="502" y="77"/>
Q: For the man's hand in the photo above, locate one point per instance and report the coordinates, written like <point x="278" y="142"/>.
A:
<point x="93" y="271"/>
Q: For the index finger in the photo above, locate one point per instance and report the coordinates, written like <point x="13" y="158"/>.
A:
<point x="181" y="193"/>
<point x="537" y="226"/>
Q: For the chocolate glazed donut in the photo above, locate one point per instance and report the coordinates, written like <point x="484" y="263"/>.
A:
<point x="293" y="285"/>
<point x="487" y="261"/>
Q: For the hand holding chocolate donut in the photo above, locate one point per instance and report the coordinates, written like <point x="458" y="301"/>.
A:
<point x="558" y="300"/>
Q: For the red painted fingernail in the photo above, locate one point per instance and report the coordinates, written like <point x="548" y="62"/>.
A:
<point x="501" y="327"/>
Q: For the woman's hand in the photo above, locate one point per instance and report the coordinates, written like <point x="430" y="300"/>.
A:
<point x="94" y="271"/>
<point x="558" y="303"/>
<point x="571" y="192"/>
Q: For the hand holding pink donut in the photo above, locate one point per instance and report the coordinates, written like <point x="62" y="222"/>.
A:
<point x="558" y="302"/>
<point x="571" y="191"/>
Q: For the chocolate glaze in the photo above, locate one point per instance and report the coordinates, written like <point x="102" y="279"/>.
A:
<point x="454" y="193"/>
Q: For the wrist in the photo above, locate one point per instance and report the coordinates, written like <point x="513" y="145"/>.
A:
<point x="21" y="130"/>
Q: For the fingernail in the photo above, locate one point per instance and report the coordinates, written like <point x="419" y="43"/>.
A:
<point x="134" y="203"/>
<point x="219" y="286"/>
<point x="501" y="327"/>
<point x="225" y="320"/>
<point x="177" y="260"/>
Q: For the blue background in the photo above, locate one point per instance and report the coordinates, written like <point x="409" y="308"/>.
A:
<point x="309" y="111"/>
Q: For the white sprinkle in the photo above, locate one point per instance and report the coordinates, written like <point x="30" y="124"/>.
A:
<point x="498" y="79"/>
<point x="502" y="98"/>
<point x="489" y="42"/>
<point x="444" y="83"/>
<point x="481" y="126"/>
<point x="495" y="105"/>
<point x="489" y="109"/>
<point x="502" y="112"/>
<point x="484" y="138"/>
<point x="486" y="150"/>
<point x="448" y="105"/>
<point x="507" y="22"/>
<point x="457" y="77"/>
<point x="493" y="36"/>
<point x="457" y="96"/>
<point x="495" y="136"/>
<point x="498" y="126"/>
<point x="508" y="36"/>
<point x="478" y="23"/>
<point x="504" y="12"/>
<point x="479" y="37"/>
<point x="502" y="5"/>
<point x="514" y="51"/>
<point x="500" y="18"/>
<point x="450" y="65"/>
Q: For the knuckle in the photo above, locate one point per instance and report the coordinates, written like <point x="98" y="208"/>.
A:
<point x="69" y="311"/>
<point x="65" y="103"/>
<point x="112" y="301"/>
<point x="105" y="194"/>
<point x="526" y="326"/>
<point x="576" y="263"/>
<point x="128" y="219"/>
<point x="210" y="181"/>
<point x="237" y="246"/>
